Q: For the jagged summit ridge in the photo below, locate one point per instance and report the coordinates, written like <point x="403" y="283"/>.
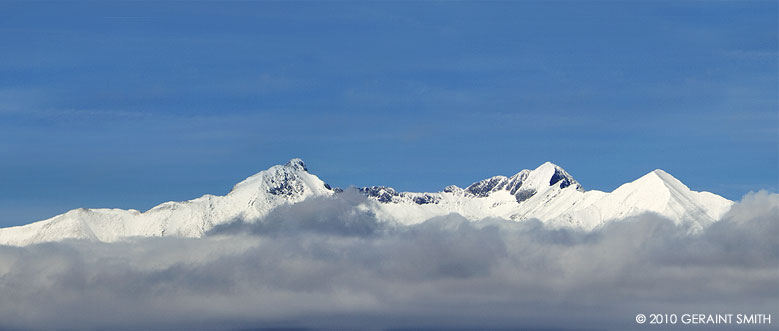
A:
<point x="290" y="174"/>
<point x="525" y="183"/>
<point x="297" y="164"/>
<point x="547" y="193"/>
<point x="552" y="195"/>
<point x="522" y="186"/>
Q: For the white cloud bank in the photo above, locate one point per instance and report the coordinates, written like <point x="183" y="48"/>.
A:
<point x="323" y="263"/>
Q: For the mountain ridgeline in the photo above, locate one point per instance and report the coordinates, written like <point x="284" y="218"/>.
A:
<point x="547" y="193"/>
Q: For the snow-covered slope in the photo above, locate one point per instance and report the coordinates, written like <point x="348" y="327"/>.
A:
<point x="547" y="193"/>
<point x="250" y="200"/>
<point x="550" y="194"/>
<point x="498" y="196"/>
<point x="657" y="192"/>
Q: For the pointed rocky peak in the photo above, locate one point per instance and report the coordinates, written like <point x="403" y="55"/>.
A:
<point x="548" y="174"/>
<point x="525" y="183"/>
<point x="289" y="180"/>
<point x="296" y="164"/>
<point x="546" y="165"/>
<point x="453" y="189"/>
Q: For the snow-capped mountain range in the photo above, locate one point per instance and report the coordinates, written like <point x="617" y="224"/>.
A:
<point x="547" y="193"/>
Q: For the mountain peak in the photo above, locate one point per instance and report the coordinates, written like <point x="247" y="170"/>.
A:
<point x="281" y="178"/>
<point x="525" y="183"/>
<point x="550" y="174"/>
<point x="297" y="164"/>
<point x="655" y="191"/>
<point x="544" y="193"/>
<point x="663" y="174"/>
<point x="548" y="164"/>
<point x="659" y="176"/>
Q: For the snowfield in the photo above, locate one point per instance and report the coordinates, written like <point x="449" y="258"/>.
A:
<point x="547" y="193"/>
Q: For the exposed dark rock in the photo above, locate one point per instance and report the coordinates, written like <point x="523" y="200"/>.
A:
<point x="525" y="194"/>
<point x="485" y="187"/>
<point x="297" y="164"/>
<point x="564" y="179"/>
<point x="287" y="186"/>
<point x="425" y="199"/>
<point x="381" y="193"/>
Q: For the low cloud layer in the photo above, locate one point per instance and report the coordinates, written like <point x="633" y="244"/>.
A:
<point x="328" y="263"/>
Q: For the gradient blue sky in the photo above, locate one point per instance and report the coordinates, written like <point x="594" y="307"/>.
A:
<point x="131" y="104"/>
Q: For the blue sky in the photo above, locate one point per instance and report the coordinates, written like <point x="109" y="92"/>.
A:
<point x="129" y="104"/>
